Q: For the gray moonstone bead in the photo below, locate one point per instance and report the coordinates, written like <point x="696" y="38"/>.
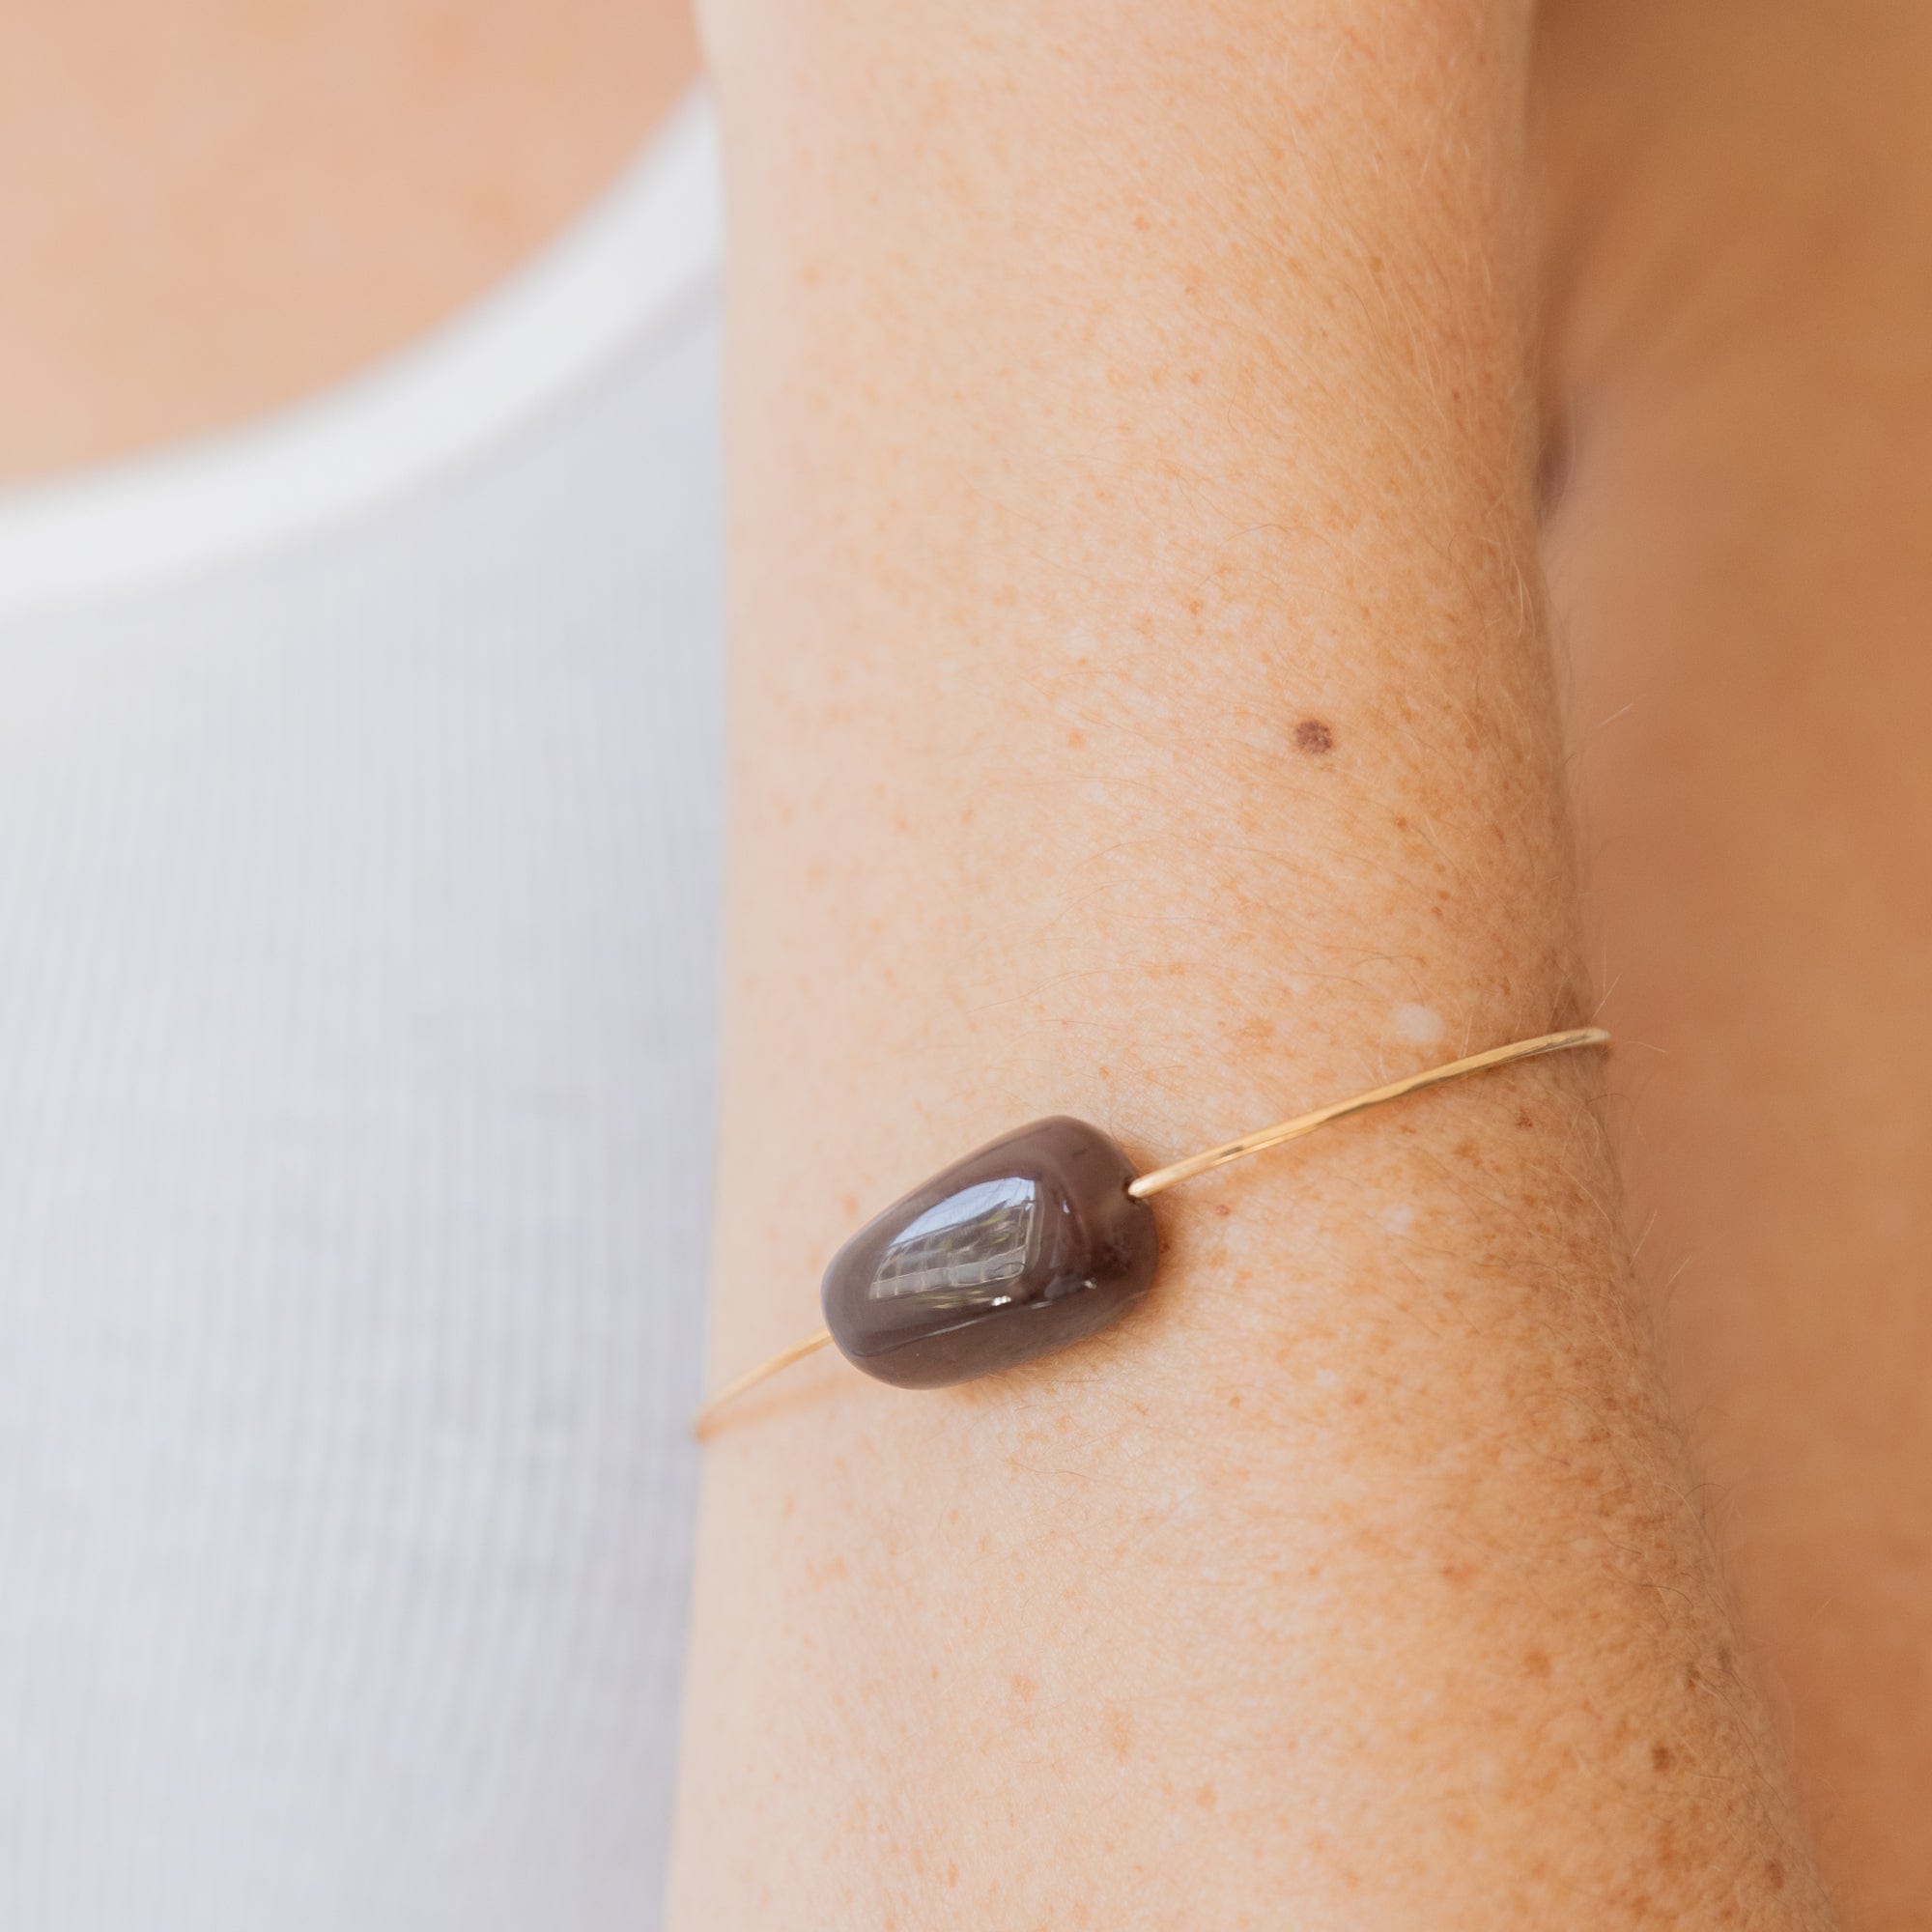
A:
<point x="1029" y="1244"/>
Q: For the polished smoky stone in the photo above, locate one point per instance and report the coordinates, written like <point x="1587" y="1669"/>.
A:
<point x="1017" y="1250"/>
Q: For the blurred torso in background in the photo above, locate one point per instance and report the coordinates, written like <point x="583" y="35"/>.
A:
<point x="359" y="835"/>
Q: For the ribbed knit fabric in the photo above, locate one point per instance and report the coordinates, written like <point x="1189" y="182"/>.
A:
<point x="356" y="949"/>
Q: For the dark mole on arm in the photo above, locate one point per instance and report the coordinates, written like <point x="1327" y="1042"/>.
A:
<point x="1312" y="735"/>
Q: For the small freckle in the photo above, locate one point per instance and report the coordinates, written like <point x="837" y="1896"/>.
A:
<point x="1141" y="223"/>
<point x="1024" y="1686"/>
<point x="1313" y="736"/>
<point x="1075" y="739"/>
<point x="1205" y="1798"/>
<point x="1661" y="1758"/>
<point x="1223" y="1211"/>
<point x="1235" y="1401"/>
<point x="1536" y="1664"/>
<point x="1525" y="1118"/>
<point x="1119" y="1729"/>
<point x="1773" y="1874"/>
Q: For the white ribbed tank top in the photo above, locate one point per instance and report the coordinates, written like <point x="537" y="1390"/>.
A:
<point x="359" y="808"/>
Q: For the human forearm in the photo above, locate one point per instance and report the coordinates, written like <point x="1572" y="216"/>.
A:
<point x="1142" y="711"/>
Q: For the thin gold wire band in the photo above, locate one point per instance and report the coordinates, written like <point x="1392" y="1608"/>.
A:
<point x="1209" y="1159"/>
<point x="738" y="1385"/>
<point x="1263" y="1138"/>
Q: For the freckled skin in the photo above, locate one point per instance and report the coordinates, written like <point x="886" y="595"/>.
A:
<point x="1318" y="1598"/>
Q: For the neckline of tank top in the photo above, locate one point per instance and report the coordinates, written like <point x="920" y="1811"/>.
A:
<point x="621" y="268"/>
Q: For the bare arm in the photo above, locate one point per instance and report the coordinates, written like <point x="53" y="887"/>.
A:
<point x="1142" y="711"/>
